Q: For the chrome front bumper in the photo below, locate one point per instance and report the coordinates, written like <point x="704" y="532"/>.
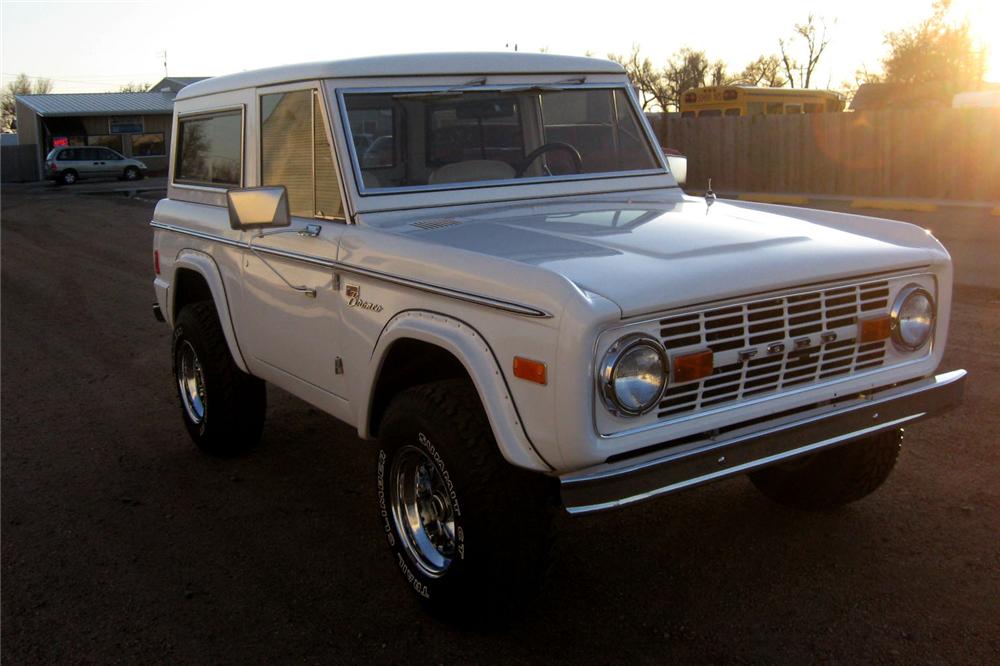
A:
<point x="616" y="484"/>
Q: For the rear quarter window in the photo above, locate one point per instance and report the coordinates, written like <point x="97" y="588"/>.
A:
<point x="210" y="149"/>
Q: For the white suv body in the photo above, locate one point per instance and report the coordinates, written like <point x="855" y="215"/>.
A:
<point x="447" y="257"/>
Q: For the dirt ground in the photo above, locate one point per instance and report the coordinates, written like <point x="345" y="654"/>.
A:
<point x="121" y="543"/>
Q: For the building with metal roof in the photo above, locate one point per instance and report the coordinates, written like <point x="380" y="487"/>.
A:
<point x="136" y="124"/>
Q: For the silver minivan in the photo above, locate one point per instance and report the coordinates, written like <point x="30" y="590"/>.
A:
<point x="69" y="164"/>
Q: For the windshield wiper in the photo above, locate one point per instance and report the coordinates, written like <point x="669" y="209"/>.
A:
<point x="448" y="92"/>
<point x="478" y="83"/>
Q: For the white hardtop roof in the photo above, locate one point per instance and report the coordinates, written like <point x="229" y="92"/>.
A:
<point x="421" y="64"/>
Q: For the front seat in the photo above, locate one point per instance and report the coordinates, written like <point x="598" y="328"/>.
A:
<point x="472" y="170"/>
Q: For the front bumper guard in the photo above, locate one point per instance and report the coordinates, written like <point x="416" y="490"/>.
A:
<point x="621" y="483"/>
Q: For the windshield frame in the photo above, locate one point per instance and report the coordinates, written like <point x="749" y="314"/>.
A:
<point x="646" y="134"/>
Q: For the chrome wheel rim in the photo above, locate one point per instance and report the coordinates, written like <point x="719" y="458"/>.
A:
<point x="130" y="174"/>
<point x="191" y="380"/>
<point x="422" y="511"/>
<point x="69" y="178"/>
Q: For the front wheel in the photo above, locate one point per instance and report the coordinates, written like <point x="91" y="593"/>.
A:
<point x="222" y="407"/>
<point x="834" y="477"/>
<point x="131" y="173"/>
<point x="466" y="529"/>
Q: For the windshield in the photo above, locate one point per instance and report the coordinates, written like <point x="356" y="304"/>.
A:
<point x="407" y="140"/>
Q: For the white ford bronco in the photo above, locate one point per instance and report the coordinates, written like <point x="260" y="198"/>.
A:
<point x="483" y="262"/>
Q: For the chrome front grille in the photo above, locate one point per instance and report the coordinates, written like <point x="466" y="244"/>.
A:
<point x="769" y="345"/>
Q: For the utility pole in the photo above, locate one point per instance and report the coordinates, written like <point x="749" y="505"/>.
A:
<point x="163" y="54"/>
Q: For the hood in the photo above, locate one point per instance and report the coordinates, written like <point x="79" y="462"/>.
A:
<point x="647" y="255"/>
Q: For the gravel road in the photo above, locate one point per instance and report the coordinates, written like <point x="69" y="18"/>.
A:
<point x="121" y="543"/>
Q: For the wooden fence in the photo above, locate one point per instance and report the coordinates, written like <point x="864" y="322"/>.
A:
<point x="949" y="154"/>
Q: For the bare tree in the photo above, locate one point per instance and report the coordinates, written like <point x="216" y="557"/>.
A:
<point x="134" y="87"/>
<point x="718" y="75"/>
<point x="764" y="71"/>
<point x="647" y="81"/>
<point x="686" y="69"/>
<point x="22" y="85"/>
<point x="813" y="34"/>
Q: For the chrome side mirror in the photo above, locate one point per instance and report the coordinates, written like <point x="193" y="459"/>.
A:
<point x="258" y="208"/>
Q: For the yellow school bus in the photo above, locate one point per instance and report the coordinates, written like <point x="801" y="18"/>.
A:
<point x="754" y="101"/>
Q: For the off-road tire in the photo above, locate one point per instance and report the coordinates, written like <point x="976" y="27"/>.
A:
<point x="503" y="521"/>
<point x="234" y="402"/>
<point x="834" y="477"/>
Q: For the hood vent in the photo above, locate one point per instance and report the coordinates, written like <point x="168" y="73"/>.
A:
<point x="434" y="224"/>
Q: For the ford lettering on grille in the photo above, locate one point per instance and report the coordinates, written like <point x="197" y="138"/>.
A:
<point x="767" y="346"/>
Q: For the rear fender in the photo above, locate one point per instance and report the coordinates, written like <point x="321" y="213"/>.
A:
<point x="205" y="266"/>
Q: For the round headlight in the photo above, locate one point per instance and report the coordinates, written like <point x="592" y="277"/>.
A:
<point x="633" y="375"/>
<point x="912" y="318"/>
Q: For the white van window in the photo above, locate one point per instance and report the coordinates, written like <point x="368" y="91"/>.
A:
<point x="209" y="149"/>
<point x="295" y="153"/>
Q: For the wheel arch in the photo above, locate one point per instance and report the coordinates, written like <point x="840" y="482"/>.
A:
<point x="420" y="346"/>
<point x="196" y="277"/>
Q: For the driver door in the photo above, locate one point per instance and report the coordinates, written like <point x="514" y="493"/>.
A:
<point x="293" y="304"/>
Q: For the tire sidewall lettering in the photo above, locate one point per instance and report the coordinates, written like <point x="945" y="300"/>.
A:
<point x="382" y="504"/>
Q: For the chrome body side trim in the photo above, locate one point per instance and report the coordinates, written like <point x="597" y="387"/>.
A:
<point x="487" y="301"/>
<point x="613" y="485"/>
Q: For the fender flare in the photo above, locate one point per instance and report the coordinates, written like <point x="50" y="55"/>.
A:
<point x="471" y="349"/>
<point x="205" y="265"/>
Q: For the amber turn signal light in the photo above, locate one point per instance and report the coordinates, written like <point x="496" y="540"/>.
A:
<point x="533" y="371"/>
<point x="874" y="329"/>
<point x="690" y="367"/>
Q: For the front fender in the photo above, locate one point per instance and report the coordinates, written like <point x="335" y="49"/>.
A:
<point x="205" y="265"/>
<point x="466" y="344"/>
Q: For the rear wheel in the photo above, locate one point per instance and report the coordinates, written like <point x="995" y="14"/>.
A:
<point x="68" y="177"/>
<point x="834" y="477"/>
<point x="467" y="530"/>
<point x="222" y="407"/>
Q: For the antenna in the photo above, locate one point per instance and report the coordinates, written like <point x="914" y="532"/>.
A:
<point x="163" y="54"/>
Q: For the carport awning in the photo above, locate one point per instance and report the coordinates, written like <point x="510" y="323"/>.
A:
<point x="64" y="126"/>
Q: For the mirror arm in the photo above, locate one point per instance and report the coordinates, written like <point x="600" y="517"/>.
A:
<point x="302" y="289"/>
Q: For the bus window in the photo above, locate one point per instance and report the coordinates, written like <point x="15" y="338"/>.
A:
<point x="777" y="107"/>
<point x="732" y="112"/>
<point x="812" y="107"/>
<point x="793" y="108"/>
<point x="687" y="114"/>
<point x="710" y="112"/>
<point x="755" y="108"/>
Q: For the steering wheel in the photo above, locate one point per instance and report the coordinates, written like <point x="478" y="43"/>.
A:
<point x="547" y="147"/>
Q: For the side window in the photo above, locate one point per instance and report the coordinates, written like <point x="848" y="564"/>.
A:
<point x="755" y="108"/>
<point x="68" y="155"/>
<point x="732" y="112"/>
<point x="777" y="107"/>
<point x="209" y="149"/>
<point x="296" y="153"/>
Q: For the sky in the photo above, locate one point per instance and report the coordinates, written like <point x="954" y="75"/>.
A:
<point x="88" y="46"/>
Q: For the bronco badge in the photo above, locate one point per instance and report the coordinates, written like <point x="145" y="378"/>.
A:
<point x="354" y="300"/>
